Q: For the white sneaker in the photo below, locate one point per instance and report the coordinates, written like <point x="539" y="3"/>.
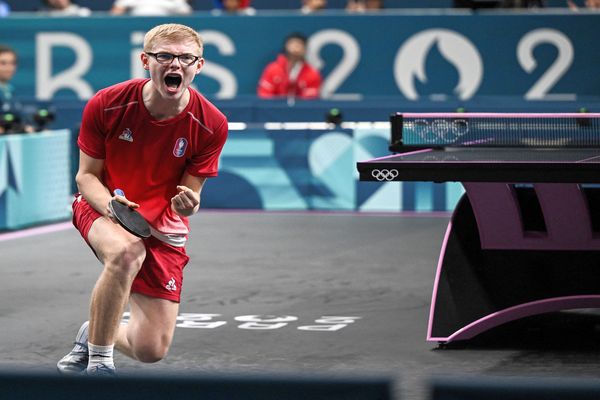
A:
<point x="76" y="362"/>
<point x="101" y="370"/>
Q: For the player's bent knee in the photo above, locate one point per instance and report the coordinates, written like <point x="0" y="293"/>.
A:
<point x="151" y="354"/>
<point x="125" y="258"/>
<point x="153" y="348"/>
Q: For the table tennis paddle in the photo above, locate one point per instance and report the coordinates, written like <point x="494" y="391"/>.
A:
<point x="131" y="220"/>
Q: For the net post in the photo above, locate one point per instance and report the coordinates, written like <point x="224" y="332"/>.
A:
<point x="396" y="143"/>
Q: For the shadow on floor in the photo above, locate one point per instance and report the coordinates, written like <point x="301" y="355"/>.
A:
<point x="573" y="331"/>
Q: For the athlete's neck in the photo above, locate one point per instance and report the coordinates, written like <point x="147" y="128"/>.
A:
<point x="161" y="107"/>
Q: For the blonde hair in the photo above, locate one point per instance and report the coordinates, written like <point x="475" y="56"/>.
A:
<point x="173" y="33"/>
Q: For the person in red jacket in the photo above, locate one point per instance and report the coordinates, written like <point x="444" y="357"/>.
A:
<point x="290" y="75"/>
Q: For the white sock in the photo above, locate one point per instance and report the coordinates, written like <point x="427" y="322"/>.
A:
<point x="100" y="355"/>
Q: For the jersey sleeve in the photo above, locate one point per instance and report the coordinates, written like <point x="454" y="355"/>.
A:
<point x="206" y="162"/>
<point x="91" y="138"/>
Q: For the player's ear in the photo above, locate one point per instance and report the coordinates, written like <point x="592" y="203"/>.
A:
<point x="200" y="65"/>
<point x="145" y="60"/>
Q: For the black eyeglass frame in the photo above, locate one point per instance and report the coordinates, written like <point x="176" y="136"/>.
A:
<point x="173" y="57"/>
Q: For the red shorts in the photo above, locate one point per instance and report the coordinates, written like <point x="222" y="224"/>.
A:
<point x="161" y="274"/>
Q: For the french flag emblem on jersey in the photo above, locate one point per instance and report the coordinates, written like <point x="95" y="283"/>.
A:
<point x="180" y="146"/>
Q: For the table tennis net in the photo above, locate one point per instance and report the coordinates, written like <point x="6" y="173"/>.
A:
<point x="488" y="130"/>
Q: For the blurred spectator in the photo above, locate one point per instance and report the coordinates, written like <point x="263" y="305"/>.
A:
<point x="477" y="4"/>
<point x="151" y="7"/>
<point x="591" y="4"/>
<point x="523" y="3"/>
<point x="364" y="5"/>
<point x="290" y="75"/>
<point x="10" y="116"/>
<point x="309" y="6"/>
<point x="4" y="9"/>
<point x="64" y="8"/>
<point x="8" y="67"/>
<point x="233" y="7"/>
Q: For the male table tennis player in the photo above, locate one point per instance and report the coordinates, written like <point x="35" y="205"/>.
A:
<point x="158" y="140"/>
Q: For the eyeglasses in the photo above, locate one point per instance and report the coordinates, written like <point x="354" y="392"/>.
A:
<point x="167" y="58"/>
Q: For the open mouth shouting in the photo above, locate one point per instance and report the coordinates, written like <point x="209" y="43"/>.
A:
<point x="173" y="82"/>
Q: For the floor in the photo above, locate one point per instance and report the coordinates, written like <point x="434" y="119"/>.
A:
<point x="298" y="293"/>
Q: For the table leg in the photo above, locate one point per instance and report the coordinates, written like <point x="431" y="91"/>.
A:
<point x="477" y="288"/>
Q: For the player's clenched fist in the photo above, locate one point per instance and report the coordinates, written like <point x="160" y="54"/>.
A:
<point x="186" y="202"/>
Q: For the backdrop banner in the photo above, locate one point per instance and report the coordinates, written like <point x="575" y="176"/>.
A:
<point x="536" y="56"/>
<point x="315" y="170"/>
<point x="35" y="178"/>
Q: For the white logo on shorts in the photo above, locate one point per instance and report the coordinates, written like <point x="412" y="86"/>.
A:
<point x="171" y="285"/>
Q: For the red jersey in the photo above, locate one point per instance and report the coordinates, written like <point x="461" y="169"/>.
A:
<point x="275" y="81"/>
<point x="146" y="157"/>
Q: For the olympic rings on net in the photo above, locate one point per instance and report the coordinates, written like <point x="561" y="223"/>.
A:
<point x="384" y="174"/>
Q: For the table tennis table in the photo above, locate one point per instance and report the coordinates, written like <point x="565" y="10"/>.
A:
<point x="524" y="239"/>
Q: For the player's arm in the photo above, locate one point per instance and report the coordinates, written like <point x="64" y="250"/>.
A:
<point x="187" y="201"/>
<point x="90" y="185"/>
